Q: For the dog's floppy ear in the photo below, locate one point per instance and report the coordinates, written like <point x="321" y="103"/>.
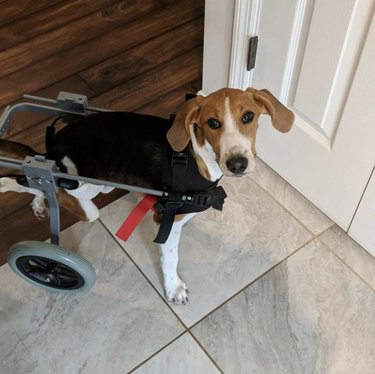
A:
<point x="282" y="118"/>
<point x="178" y="135"/>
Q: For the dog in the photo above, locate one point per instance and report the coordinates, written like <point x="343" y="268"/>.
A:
<point x="217" y="132"/>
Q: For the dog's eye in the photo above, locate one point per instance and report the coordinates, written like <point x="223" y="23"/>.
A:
<point x="213" y="123"/>
<point x="247" y="117"/>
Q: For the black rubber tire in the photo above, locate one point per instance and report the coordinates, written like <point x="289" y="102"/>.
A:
<point x="51" y="267"/>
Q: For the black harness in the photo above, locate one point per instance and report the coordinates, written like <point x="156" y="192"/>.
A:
<point x="188" y="192"/>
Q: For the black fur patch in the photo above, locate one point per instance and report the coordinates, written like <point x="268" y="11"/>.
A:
<point x="123" y="147"/>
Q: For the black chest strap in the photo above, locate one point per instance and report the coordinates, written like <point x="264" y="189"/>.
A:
<point x="179" y="166"/>
<point x="180" y="202"/>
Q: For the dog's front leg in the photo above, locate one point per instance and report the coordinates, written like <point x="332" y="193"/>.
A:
<point x="175" y="289"/>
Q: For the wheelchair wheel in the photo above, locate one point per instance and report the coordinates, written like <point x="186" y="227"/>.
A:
<point x="51" y="267"/>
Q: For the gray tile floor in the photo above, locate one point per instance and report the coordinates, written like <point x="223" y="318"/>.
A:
<point x="275" y="287"/>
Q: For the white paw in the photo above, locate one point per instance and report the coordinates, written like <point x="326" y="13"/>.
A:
<point x="3" y="184"/>
<point x="176" y="291"/>
<point x="40" y="209"/>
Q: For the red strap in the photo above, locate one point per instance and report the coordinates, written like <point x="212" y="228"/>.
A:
<point x="136" y="216"/>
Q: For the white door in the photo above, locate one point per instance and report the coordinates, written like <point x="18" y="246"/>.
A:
<point x="318" y="57"/>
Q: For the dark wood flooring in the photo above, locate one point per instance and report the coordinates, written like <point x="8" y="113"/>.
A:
<point x="131" y="55"/>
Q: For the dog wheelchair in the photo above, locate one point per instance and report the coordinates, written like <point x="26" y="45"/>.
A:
<point x="44" y="264"/>
<point x="53" y="267"/>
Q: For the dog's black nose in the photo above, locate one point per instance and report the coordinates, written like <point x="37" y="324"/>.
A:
<point x="237" y="164"/>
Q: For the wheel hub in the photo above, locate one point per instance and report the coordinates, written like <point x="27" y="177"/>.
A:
<point x="46" y="271"/>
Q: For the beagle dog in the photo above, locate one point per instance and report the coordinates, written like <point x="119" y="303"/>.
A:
<point x="218" y="132"/>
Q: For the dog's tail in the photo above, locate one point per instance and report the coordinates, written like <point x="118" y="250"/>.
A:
<point x="15" y="150"/>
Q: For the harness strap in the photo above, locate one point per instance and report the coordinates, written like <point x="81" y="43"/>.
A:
<point x="167" y="222"/>
<point x="197" y="202"/>
<point x="136" y="216"/>
<point x="171" y="203"/>
<point x="218" y="196"/>
<point x="179" y="166"/>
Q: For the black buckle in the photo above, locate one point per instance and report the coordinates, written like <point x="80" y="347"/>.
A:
<point x="202" y="199"/>
<point x="170" y="202"/>
<point x="179" y="159"/>
<point x="213" y="198"/>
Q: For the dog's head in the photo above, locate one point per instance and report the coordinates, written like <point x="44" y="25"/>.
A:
<point x="222" y="128"/>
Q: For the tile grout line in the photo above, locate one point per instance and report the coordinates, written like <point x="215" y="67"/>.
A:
<point x="187" y="328"/>
<point x="317" y="236"/>
<point x="157" y="352"/>
<point x="235" y="295"/>
<point x="170" y="343"/>
<point x="345" y="263"/>
<point x="144" y="275"/>
<point x="284" y="180"/>
<point x="313" y="237"/>
<point x="200" y="345"/>
<point x="288" y="211"/>
<point x="252" y="282"/>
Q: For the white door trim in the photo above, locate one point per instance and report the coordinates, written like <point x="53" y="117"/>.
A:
<point x="245" y="25"/>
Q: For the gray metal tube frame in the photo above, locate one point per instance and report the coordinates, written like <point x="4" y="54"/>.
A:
<point x="43" y="174"/>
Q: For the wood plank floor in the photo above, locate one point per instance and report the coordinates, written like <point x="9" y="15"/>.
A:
<point x="131" y="55"/>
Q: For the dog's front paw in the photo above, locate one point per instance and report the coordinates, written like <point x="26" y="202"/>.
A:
<point x="176" y="291"/>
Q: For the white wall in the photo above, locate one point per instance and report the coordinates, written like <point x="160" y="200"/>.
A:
<point x="218" y="25"/>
